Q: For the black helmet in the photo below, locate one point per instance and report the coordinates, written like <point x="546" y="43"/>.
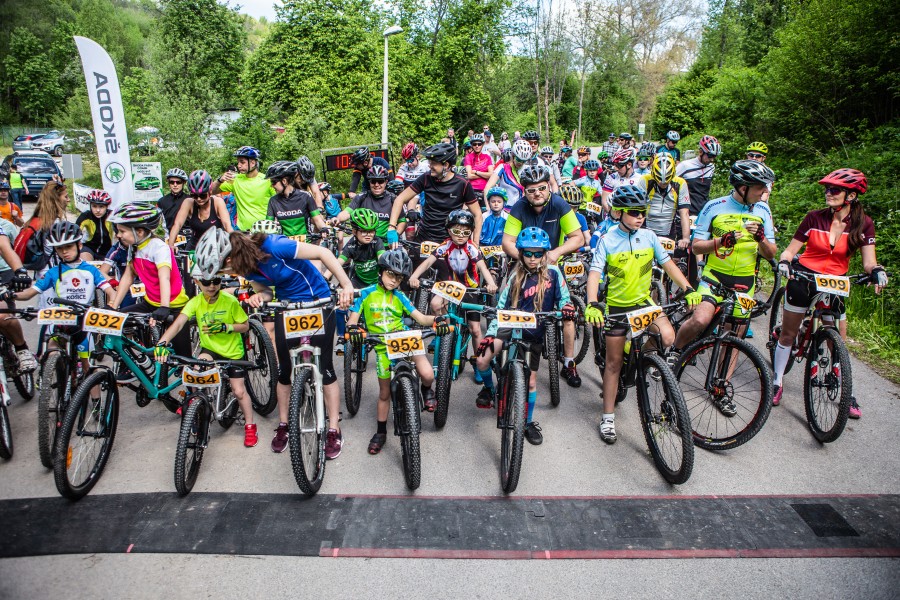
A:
<point x="395" y="186"/>
<point x="461" y="217"/>
<point x="531" y="135"/>
<point x="63" y="233"/>
<point x="377" y="172"/>
<point x="360" y="156"/>
<point x="628" y="196"/>
<point x="750" y="172"/>
<point x="306" y="169"/>
<point x="506" y="154"/>
<point x="442" y="153"/>
<point x="532" y="174"/>
<point x="281" y="168"/>
<point x="397" y="261"/>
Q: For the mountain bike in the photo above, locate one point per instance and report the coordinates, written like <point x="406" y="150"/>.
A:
<point x="6" y="439"/>
<point x="24" y="382"/>
<point x="420" y="297"/>
<point x="575" y="268"/>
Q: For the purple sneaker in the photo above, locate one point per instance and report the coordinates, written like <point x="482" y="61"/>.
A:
<point x="280" y="441"/>
<point x="333" y="443"/>
<point x="855" y="412"/>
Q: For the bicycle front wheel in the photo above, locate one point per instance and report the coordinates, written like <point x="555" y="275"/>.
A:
<point x="306" y="440"/>
<point x="354" y="369"/>
<point x="262" y="379"/>
<point x="444" y="377"/>
<point x="25" y="384"/>
<point x="827" y="385"/>
<point x="736" y="404"/>
<point x="6" y="441"/>
<point x="410" y="426"/>
<point x="768" y="282"/>
<point x="191" y="444"/>
<point x="551" y="348"/>
<point x="51" y="403"/>
<point x="582" y="331"/>
<point x="513" y="410"/>
<point x="775" y="317"/>
<point x="86" y="436"/>
<point x="665" y="419"/>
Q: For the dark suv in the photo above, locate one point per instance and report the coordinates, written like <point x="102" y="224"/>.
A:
<point x="35" y="167"/>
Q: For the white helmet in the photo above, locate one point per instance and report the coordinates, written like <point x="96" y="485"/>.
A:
<point x="211" y="252"/>
<point x="522" y="150"/>
<point x="267" y="226"/>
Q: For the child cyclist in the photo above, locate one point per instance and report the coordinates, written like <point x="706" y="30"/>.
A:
<point x="362" y="251"/>
<point x="574" y="197"/>
<point x="220" y="321"/>
<point x="384" y="306"/>
<point x="533" y="286"/>
<point x="98" y="231"/>
<point x="492" y="227"/>
<point x="626" y="254"/>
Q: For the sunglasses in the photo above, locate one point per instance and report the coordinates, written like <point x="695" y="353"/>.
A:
<point x="477" y="144"/>
<point x="533" y="253"/>
<point x="213" y="281"/>
<point x="175" y="182"/>
<point x="635" y="212"/>
<point x="461" y="232"/>
<point x="393" y="275"/>
<point x="834" y="190"/>
<point x="583" y="154"/>
<point x="377" y="181"/>
<point x="200" y="196"/>
<point x="535" y="190"/>
<point x="755" y="155"/>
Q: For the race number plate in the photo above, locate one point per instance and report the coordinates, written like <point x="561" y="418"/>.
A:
<point x="667" y="244"/>
<point x="573" y="269"/>
<point x="107" y="322"/>
<point x="490" y="251"/>
<point x="201" y="379"/>
<point x="594" y="208"/>
<point x="516" y="319"/>
<point x="427" y="248"/>
<point x="401" y="344"/>
<point x="641" y="319"/>
<point x="833" y="284"/>
<point x="746" y="302"/>
<point x="57" y="316"/>
<point x="138" y="290"/>
<point x="693" y="221"/>
<point x="300" y="323"/>
<point x="297" y="238"/>
<point x="180" y="240"/>
<point x="451" y="291"/>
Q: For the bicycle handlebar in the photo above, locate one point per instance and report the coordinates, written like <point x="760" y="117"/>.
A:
<point x="200" y="362"/>
<point x="854" y="279"/>
<point x="294" y="305"/>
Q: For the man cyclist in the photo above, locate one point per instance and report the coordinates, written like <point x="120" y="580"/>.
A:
<point x="412" y="168"/>
<point x="171" y="203"/>
<point x="290" y="206"/>
<point x="698" y="172"/>
<point x="479" y="166"/>
<point x="250" y="188"/>
<point x="363" y="160"/>
<point x="667" y="196"/>
<point x="533" y="138"/>
<point x="668" y="147"/>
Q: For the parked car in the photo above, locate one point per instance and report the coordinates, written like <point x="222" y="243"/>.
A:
<point x="23" y="142"/>
<point x="35" y="167"/>
<point x="51" y="143"/>
<point x="147" y="183"/>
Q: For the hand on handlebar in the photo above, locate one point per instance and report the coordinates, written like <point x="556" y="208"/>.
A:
<point x="160" y="315"/>
<point x="414" y="283"/>
<point x="491" y="288"/>
<point x="161" y="352"/>
<point x="441" y="326"/>
<point x="345" y="297"/>
<point x="568" y="312"/>
<point x="355" y="334"/>
<point x="684" y="243"/>
<point x="692" y="297"/>
<point x="7" y="296"/>
<point x="784" y="267"/>
<point x="594" y="313"/>
<point x="21" y="281"/>
<point x="392" y="237"/>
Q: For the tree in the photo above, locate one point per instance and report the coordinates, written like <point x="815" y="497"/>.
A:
<point x="31" y="78"/>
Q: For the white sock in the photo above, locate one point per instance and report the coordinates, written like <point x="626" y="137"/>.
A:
<point x="609" y="417"/>
<point x="568" y="361"/>
<point x="782" y="356"/>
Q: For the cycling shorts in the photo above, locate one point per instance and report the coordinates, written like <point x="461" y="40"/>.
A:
<point x="729" y="282"/>
<point x="620" y="327"/>
<point x="324" y="341"/>
<point x="799" y="295"/>
<point x="232" y="372"/>
<point x="536" y="348"/>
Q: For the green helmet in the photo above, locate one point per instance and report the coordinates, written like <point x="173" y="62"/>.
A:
<point x="364" y="219"/>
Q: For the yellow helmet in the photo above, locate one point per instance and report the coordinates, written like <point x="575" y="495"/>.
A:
<point x="663" y="170"/>
<point x="758" y="147"/>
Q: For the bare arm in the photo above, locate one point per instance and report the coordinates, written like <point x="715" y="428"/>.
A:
<point x="124" y="285"/>
<point x="222" y="212"/>
<point x="793" y="248"/>
<point x="186" y="207"/>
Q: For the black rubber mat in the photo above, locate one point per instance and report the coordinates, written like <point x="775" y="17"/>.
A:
<point x="491" y="527"/>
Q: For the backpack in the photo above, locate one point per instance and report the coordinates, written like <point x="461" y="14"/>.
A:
<point x="29" y="245"/>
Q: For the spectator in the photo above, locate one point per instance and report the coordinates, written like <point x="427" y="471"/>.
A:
<point x="250" y="188"/>
<point x="18" y="185"/>
<point x="504" y="144"/>
<point x="9" y="211"/>
<point x="610" y="146"/>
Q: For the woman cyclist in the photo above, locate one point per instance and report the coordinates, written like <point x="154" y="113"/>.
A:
<point x="832" y="235"/>
<point x="200" y="211"/>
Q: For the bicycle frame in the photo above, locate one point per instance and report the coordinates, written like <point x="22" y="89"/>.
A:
<point x="117" y="344"/>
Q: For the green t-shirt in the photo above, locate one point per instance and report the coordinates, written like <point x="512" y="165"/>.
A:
<point x="227" y="310"/>
<point x="15" y="181"/>
<point x="251" y="196"/>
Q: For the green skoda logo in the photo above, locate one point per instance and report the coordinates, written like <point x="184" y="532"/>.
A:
<point x="115" y="172"/>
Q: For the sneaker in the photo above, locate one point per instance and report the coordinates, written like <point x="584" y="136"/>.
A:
<point x="476" y="377"/>
<point x="673" y="358"/>
<point x="250" y="437"/>
<point x="377" y="443"/>
<point x="776" y="395"/>
<point x="485" y="398"/>
<point x="27" y="363"/>
<point x="533" y="433"/>
<point x="608" y="431"/>
<point x="726" y="406"/>
<point x="855" y="412"/>
<point x="280" y="441"/>
<point x="333" y="443"/>
<point x="570" y="374"/>
<point x="749" y="334"/>
<point x="430" y="402"/>
<point x="125" y="376"/>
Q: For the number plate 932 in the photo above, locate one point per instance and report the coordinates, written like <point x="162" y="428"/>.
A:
<point x="107" y="322"/>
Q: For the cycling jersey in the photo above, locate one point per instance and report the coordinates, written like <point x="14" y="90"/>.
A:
<point x="382" y="310"/>
<point x="380" y="206"/>
<point x="251" y="194"/>
<point x="226" y="309"/>
<point x="556" y="295"/>
<point x="602" y="229"/>
<point x="614" y="180"/>
<point x="146" y="258"/>
<point x="294" y="279"/>
<point x="441" y="198"/>
<point x="556" y="218"/>
<point x="98" y="233"/>
<point x="293" y="212"/>
<point x="627" y="258"/>
<point x="674" y="152"/>
<point x="364" y="257"/>
<point x="582" y="220"/>
<point x="699" y="180"/>
<point x="492" y="229"/>
<point x="478" y="162"/>
<point x="641" y="172"/>
<point x="461" y="260"/>
<point x="76" y="283"/>
<point x="508" y="180"/>
<point x="591" y="188"/>
<point x="568" y="167"/>
<point x="170" y="204"/>
<point x="407" y="174"/>
<point x="820" y="256"/>
<point x="662" y="206"/>
<point x="363" y="174"/>
<point x="726" y="214"/>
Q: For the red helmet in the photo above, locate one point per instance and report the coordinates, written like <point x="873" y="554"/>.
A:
<point x="622" y="156"/>
<point x="410" y="151"/>
<point x="710" y="145"/>
<point x="99" y="197"/>
<point x="847" y="178"/>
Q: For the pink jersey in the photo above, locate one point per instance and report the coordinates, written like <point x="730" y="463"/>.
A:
<point x="148" y="256"/>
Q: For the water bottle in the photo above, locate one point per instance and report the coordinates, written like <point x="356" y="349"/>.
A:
<point x="143" y="361"/>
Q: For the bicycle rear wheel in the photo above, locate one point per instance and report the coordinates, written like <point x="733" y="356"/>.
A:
<point x="354" y="370"/>
<point x="410" y="421"/>
<point x="24" y="382"/>
<point x="768" y="282"/>
<point x="306" y="440"/>
<point x="191" y="444"/>
<point x="582" y="331"/>
<point x="51" y="403"/>
<point x="827" y="385"/>
<point x="665" y="420"/>
<point x="740" y="376"/>
<point x="513" y="410"/>
<point x="261" y="380"/>
<point x="86" y="436"/>
<point x="551" y="348"/>
<point x="444" y="377"/>
<point x="6" y="441"/>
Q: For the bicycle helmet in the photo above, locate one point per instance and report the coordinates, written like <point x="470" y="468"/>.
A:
<point x="364" y="219"/>
<point x="565" y="149"/>
<point x="63" y="233"/>
<point x="306" y="169"/>
<point x="710" y="145"/>
<point x="646" y="151"/>
<point x="248" y="152"/>
<point x="591" y="165"/>
<point x="547" y="150"/>
<point x="211" y="252"/>
<point x="410" y="151"/>
<point x="442" y="152"/>
<point x="602" y="155"/>
<point x="461" y="217"/>
<point x="532" y="174"/>
<point x="267" y="226"/>
<point x="361" y="156"/>
<point x="750" y="172"/>
<point x="280" y="169"/>
<point x="850" y="179"/>
<point x="476" y="138"/>
<point x="325" y="187"/>
<point x="395" y="186"/>
<point x="137" y="214"/>
<point x="625" y="135"/>
<point x="497" y="191"/>
<point x="533" y="237"/>
<point x="199" y="182"/>
<point x="673" y="136"/>
<point x="4" y="185"/>
<point x="506" y="155"/>
<point x="377" y="172"/>
<point x="663" y="169"/>
<point x="622" y="157"/>
<point x="176" y="173"/>
<point x="758" y="147"/>
<point x="572" y="195"/>
<point x="531" y="135"/>
<point x="522" y="151"/>
<point x="397" y="261"/>
<point x="99" y="197"/>
<point x="585" y="149"/>
<point x="628" y="197"/>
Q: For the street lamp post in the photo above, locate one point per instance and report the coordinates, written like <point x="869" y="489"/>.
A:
<point x="392" y="30"/>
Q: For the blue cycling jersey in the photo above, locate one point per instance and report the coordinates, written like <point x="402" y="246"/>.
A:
<point x="492" y="229"/>
<point x="294" y="279"/>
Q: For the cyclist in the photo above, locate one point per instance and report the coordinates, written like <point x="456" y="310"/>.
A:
<point x="758" y="151"/>
<point x="201" y="211"/>
<point x="412" y="168"/>
<point x="548" y="212"/>
<point x="535" y="285"/>
<point x="698" y="172"/>
<point x="479" y="166"/>
<point x="547" y="155"/>
<point x="276" y="262"/>
<point x="292" y="207"/>
<point x="666" y="196"/>
<point x="383" y="307"/>
<point x="832" y="235"/>
<point x="591" y="185"/>
<point x="622" y="174"/>
<point x="572" y="163"/>
<point x="644" y="157"/>
<point x="623" y="258"/>
<point x="170" y="204"/>
<point x="363" y="249"/>
<point x="98" y="231"/>
<point x="669" y="146"/>
<point x="378" y="200"/>
<point x="305" y="180"/>
<point x="574" y="197"/>
<point x="506" y="175"/>
<point x="363" y="160"/>
<point x="251" y="190"/>
<point x="14" y="275"/>
<point x="565" y="153"/>
<point x="492" y="229"/>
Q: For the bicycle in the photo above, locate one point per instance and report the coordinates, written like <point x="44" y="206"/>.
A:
<point x="768" y="282"/>
<point x="722" y="373"/>
<point x="575" y="269"/>
<point x="6" y="439"/>
<point x="828" y="378"/>
<point x="209" y="398"/>
<point x="665" y="419"/>
<point x="23" y="381"/>
<point x="420" y="297"/>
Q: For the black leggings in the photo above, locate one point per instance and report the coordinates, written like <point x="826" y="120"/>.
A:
<point x="324" y="340"/>
<point x="181" y="343"/>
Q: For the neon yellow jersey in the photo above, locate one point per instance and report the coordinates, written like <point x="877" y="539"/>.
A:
<point x="626" y="259"/>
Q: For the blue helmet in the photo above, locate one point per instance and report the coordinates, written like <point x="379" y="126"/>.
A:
<point x="533" y="237"/>
<point x="497" y="191"/>
<point x="247" y="152"/>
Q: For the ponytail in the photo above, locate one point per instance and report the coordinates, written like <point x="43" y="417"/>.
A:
<point x="855" y="236"/>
